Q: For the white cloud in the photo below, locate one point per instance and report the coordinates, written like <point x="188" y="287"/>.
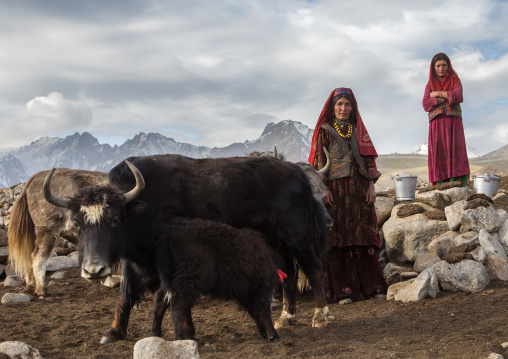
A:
<point x="54" y="113"/>
<point x="215" y="73"/>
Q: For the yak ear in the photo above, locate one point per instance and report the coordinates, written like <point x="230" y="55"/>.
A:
<point x="136" y="207"/>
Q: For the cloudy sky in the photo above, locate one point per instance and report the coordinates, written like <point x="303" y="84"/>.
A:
<point x="216" y="72"/>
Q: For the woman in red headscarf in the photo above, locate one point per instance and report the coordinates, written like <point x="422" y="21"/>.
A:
<point x="353" y="270"/>
<point x="447" y="146"/>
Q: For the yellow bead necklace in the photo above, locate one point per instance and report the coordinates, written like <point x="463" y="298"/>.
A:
<point x="338" y="127"/>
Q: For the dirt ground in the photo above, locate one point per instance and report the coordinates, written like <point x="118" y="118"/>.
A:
<point x="70" y="324"/>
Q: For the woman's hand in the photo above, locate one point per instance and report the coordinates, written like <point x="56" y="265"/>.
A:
<point x="435" y="94"/>
<point x="371" y="193"/>
<point x="327" y="197"/>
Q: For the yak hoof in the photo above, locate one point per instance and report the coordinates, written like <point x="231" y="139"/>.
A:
<point x="108" y="340"/>
<point x="285" y="320"/>
<point x="320" y="325"/>
<point x="321" y="317"/>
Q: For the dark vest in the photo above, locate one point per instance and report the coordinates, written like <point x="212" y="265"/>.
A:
<point x="341" y="152"/>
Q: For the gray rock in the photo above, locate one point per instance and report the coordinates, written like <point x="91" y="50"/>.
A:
<point x="13" y="281"/>
<point x="408" y="275"/>
<point x="468" y="237"/>
<point x="75" y="256"/>
<point x="479" y="255"/>
<point x="426" y="284"/>
<point x="112" y="281"/>
<point x="491" y="245"/>
<point x="60" y="262"/>
<point x="3" y="238"/>
<point x="59" y="275"/>
<point x="496" y="267"/>
<point x="495" y="356"/>
<point x="19" y="350"/>
<point x="391" y="268"/>
<point x="467" y="276"/>
<point x="4" y="254"/>
<point x="454" y="214"/>
<point x="406" y="237"/>
<point x="479" y="218"/>
<point x="442" y="199"/>
<point x="443" y="244"/>
<point x="383" y="206"/>
<point x="395" y="288"/>
<point x="16" y="298"/>
<point x="424" y="261"/>
<point x="157" y="348"/>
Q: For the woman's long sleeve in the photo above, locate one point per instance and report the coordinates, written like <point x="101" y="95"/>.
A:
<point x="428" y="103"/>
<point x="455" y="95"/>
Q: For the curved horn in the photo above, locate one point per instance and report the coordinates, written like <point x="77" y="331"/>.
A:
<point x="207" y="156"/>
<point x="275" y="151"/>
<point x="326" y="168"/>
<point x="55" y="201"/>
<point x="140" y="184"/>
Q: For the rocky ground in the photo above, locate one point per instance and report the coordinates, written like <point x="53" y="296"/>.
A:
<point x="421" y="319"/>
<point x="70" y="323"/>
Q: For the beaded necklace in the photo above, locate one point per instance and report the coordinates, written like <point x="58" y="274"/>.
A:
<point x="338" y="127"/>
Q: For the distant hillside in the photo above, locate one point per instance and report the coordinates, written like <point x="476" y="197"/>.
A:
<point x="503" y="151"/>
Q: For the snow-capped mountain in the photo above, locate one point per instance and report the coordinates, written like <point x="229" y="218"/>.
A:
<point x="12" y="171"/>
<point x="83" y="151"/>
<point x="424" y="150"/>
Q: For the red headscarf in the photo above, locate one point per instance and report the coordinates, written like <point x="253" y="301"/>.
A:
<point x="451" y="78"/>
<point x="364" y="141"/>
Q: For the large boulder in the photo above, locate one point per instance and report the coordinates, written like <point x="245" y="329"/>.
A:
<point x="383" y="206"/>
<point x="408" y="236"/>
<point x="467" y="276"/>
<point x="442" y="199"/>
<point x="478" y="218"/>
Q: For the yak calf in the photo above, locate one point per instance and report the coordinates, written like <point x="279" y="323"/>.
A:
<point x="196" y="256"/>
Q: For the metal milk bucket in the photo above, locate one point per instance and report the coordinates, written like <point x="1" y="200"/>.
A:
<point x="405" y="187"/>
<point x="487" y="184"/>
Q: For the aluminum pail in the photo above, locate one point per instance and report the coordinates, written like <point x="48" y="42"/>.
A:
<point x="405" y="187"/>
<point x="486" y="184"/>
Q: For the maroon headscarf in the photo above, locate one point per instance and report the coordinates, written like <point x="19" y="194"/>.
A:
<point x="451" y="78"/>
<point x="364" y="141"/>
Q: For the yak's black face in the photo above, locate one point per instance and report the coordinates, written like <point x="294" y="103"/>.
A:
<point x="98" y="214"/>
<point x="98" y="236"/>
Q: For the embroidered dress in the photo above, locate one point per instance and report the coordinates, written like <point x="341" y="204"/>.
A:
<point x="353" y="269"/>
<point x="447" y="157"/>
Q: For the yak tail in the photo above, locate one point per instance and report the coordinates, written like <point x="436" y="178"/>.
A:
<point x="303" y="283"/>
<point x="21" y="235"/>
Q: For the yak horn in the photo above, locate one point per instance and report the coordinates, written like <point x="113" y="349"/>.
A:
<point x="54" y="200"/>
<point x="207" y="156"/>
<point x="275" y="151"/>
<point x="140" y="184"/>
<point x="326" y="168"/>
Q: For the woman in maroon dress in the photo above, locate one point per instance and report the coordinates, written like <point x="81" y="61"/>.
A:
<point x="447" y="146"/>
<point x="353" y="271"/>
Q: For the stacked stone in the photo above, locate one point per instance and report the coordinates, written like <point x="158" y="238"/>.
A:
<point x="7" y="198"/>
<point x="446" y="239"/>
